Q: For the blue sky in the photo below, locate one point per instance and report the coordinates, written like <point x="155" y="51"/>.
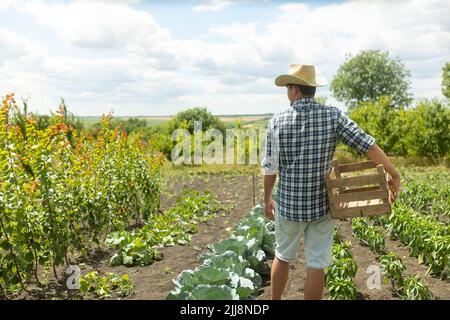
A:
<point x="160" y="57"/>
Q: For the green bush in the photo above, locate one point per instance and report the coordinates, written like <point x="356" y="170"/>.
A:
<point x="422" y="131"/>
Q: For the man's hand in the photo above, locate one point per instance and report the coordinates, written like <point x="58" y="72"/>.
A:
<point x="394" y="187"/>
<point x="269" y="209"/>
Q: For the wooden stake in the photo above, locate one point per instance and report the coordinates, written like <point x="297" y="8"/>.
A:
<point x="254" y="191"/>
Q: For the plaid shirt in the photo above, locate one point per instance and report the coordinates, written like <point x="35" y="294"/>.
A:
<point x="300" y="145"/>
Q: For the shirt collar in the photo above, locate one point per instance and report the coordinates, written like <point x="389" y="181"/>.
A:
<point x="302" y="101"/>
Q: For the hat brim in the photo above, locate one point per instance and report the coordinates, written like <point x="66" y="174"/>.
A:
<point x="283" y="80"/>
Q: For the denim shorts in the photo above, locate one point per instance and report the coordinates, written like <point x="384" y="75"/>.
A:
<point x="318" y="240"/>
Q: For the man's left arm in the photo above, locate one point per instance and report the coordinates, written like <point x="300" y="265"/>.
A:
<point x="269" y="165"/>
<point x="269" y="204"/>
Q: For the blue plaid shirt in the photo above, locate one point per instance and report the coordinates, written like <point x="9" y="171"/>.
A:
<point x="300" y="145"/>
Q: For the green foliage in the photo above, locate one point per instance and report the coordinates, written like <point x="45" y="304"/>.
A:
<point x="133" y="250"/>
<point x="186" y="119"/>
<point x="370" y="75"/>
<point x="104" y="286"/>
<point x="429" y="133"/>
<point x="175" y="224"/>
<point x="415" y="289"/>
<point x="426" y="191"/>
<point x="233" y="268"/>
<point x="428" y="239"/>
<point x="393" y="269"/>
<point x="58" y="195"/>
<point x="370" y="236"/>
<point x="420" y="131"/>
<point x="341" y="288"/>
<point x="339" y="276"/>
<point x="321" y="99"/>
<point x="167" y="229"/>
<point x="446" y="80"/>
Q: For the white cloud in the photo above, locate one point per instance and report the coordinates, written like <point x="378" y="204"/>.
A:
<point x="98" y="25"/>
<point x="6" y="5"/>
<point x="416" y="31"/>
<point x="16" y="47"/>
<point x="212" y="5"/>
<point x="156" y="73"/>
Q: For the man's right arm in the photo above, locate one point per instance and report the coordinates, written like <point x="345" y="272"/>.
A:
<point x="350" y="134"/>
<point x="379" y="157"/>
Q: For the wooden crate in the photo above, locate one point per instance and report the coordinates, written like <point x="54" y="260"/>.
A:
<point x="360" y="195"/>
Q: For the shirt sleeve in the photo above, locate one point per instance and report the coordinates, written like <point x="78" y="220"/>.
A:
<point x="350" y="134"/>
<point x="270" y="160"/>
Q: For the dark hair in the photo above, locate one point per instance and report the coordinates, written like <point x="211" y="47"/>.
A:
<point x="305" y="90"/>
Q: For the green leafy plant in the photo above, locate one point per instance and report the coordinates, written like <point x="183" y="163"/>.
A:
<point x="339" y="276"/>
<point x="63" y="189"/>
<point x="233" y="267"/>
<point x="132" y="250"/>
<point x="369" y="235"/>
<point x="415" y="289"/>
<point x="104" y="286"/>
<point x="393" y="269"/>
<point x="341" y="288"/>
<point x="167" y="229"/>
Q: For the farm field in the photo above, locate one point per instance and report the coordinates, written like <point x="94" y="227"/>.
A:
<point x="95" y="215"/>
<point x="155" y="281"/>
<point x="143" y="145"/>
<point x="247" y="120"/>
<point x="418" y="277"/>
<point x="235" y="193"/>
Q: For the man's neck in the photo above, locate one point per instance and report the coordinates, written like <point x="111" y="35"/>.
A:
<point x="301" y="97"/>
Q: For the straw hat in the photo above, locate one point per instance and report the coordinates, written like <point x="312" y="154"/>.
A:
<point x="301" y="74"/>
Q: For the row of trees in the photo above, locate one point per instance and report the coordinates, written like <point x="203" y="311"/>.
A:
<point x="374" y="87"/>
<point x="63" y="190"/>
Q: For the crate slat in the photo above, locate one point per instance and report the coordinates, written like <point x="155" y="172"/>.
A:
<point x="356" y="166"/>
<point x="358" y="196"/>
<point x="353" y="181"/>
<point x="362" y="189"/>
<point x="373" y="210"/>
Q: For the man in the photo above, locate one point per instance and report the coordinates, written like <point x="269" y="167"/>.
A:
<point x="300" y="145"/>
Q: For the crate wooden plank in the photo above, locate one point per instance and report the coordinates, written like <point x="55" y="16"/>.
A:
<point x="379" y="187"/>
<point x="337" y="169"/>
<point x="378" y="209"/>
<point x="353" y="181"/>
<point x="328" y="176"/>
<point x="361" y="203"/>
<point x="356" y="166"/>
<point x="337" y="174"/>
<point x="358" y="196"/>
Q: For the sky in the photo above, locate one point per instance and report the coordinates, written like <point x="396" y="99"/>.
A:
<point x="148" y="58"/>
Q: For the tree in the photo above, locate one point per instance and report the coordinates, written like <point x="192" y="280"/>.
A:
<point x="385" y="123"/>
<point x="186" y="119"/>
<point x="430" y="129"/>
<point x="446" y="80"/>
<point x="370" y="75"/>
<point x="420" y="131"/>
